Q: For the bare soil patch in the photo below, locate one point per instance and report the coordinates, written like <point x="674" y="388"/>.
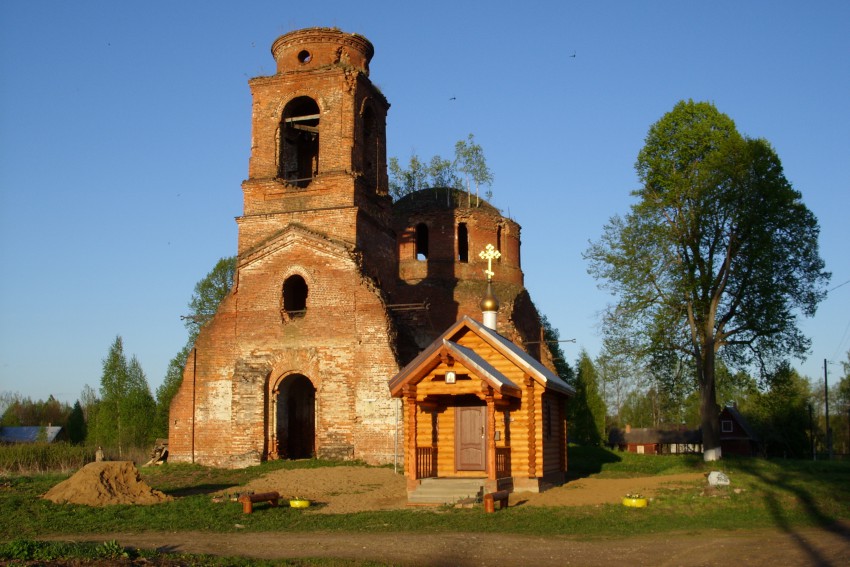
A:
<point x="336" y="490"/>
<point x="594" y="491"/>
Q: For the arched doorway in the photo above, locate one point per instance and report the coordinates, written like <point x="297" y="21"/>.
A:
<point x="296" y="418"/>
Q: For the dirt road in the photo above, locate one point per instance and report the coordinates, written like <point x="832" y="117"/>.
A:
<point x="773" y="548"/>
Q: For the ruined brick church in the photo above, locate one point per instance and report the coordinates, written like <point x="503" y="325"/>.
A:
<point x="337" y="287"/>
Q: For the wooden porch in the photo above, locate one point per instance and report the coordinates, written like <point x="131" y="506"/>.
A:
<point x="426" y="462"/>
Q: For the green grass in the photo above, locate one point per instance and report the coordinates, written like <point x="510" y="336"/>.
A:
<point x="763" y="494"/>
<point x="27" y="458"/>
<point x="48" y="552"/>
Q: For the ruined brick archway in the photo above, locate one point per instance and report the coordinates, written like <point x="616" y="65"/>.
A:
<point x="293" y="422"/>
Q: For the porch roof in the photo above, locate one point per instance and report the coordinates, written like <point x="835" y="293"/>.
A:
<point x="524" y="360"/>
<point x="429" y="358"/>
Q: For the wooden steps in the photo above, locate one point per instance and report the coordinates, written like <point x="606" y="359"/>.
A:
<point x="438" y="491"/>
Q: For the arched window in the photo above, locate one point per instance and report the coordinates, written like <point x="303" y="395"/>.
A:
<point x="421" y="241"/>
<point x="499" y="243"/>
<point x="294" y="297"/>
<point x="370" y="149"/>
<point x="462" y="243"/>
<point x="298" y="163"/>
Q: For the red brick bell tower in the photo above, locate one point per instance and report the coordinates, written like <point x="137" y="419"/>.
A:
<point x="318" y="147"/>
<point x="294" y="364"/>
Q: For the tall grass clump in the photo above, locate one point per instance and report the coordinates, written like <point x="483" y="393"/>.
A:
<point x="30" y="458"/>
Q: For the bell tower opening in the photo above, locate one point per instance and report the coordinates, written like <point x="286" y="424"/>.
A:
<point x="421" y="241"/>
<point x="298" y="163"/>
<point x="462" y="243"/>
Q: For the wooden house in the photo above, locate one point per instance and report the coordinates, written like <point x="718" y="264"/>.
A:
<point x="736" y="435"/>
<point x="651" y="441"/>
<point x="476" y="406"/>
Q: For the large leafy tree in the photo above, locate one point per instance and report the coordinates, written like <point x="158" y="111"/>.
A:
<point x="208" y="294"/>
<point x="718" y="256"/>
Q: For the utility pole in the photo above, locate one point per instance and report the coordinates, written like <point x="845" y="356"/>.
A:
<point x="826" y="406"/>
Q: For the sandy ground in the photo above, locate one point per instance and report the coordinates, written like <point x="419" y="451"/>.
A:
<point x="341" y="490"/>
<point x="353" y="489"/>
<point x="336" y="490"/>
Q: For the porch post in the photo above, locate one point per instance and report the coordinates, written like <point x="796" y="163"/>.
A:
<point x="492" y="484"/>
<point x="410" y="459"/>
<point x="532" y="427"/>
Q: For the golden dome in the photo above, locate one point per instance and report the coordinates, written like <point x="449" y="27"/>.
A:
<point x="490" y="302"/>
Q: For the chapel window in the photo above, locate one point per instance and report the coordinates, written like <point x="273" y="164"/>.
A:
<point x="298" y="162"/>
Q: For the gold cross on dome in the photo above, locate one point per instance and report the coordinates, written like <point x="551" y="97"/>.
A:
<point x="489" y="253"/>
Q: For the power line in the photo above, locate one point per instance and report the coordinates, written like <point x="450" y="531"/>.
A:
<point x="839" y="285"/>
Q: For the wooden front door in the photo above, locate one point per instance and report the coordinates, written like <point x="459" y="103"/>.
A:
<point x="470" y="438"/>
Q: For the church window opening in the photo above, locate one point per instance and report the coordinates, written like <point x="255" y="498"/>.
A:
<point x="462" y="243"/>
<point x="294" y="297"/>
<point x="299" y="142"/>
<point x="304" y="56"/>
<point x="421" y="242"/>
<point x="499" y="243"/>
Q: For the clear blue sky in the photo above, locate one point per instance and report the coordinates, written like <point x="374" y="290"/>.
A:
<point x="125" y="133"/>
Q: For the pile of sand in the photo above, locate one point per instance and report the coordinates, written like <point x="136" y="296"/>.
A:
<point x="104" y="483"/>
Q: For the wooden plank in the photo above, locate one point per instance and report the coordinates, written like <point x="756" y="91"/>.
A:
<point x="302" y="118"/>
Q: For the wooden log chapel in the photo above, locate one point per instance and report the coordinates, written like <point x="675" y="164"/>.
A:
<point x="475" y="405"/>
